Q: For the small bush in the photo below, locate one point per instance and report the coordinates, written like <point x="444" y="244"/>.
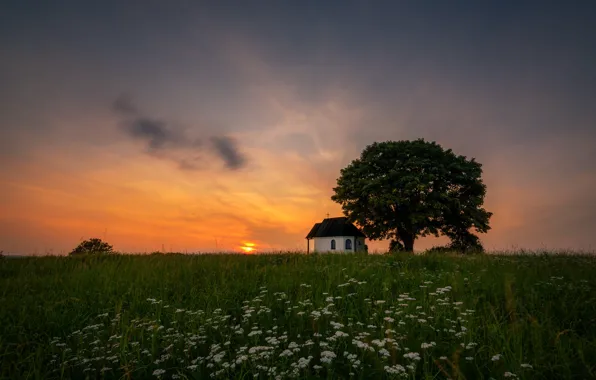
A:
<point x="92" y="246"/>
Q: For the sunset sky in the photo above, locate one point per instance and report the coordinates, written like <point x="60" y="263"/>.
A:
<point x="207" y="125"/>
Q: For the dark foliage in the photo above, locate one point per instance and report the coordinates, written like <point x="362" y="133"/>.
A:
<point x="402" y="190"/>
<point x="92" y="246"/>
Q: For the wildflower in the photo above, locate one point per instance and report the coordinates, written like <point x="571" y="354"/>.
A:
<point x="336" y="325"/>
<point x="526" y="365"/>
<point x="340" y="334"/>
<point x="427" y="345"/>
<point x="362" y="345"/>
<point x="256" y="349"/>
<point x="327" y="357"/>
<point x="395" y="369"/>
<point x="412" y="356"/>
<point x="496" y="357"/>
<point x="286" y="353"/>
<point x="241" y="359"/>
<point x="159" y="372"/>
<point x="380" y="343"/>
<point x="302" y="363"/>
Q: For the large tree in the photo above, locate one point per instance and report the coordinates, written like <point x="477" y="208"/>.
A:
<point x="403" y="190"/>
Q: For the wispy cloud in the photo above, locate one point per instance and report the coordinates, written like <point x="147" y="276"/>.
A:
<point x="124" y="105"/>
<point x="227" y="149"/>
<point x="157" y="135"/>
<point x="163" y="140"/>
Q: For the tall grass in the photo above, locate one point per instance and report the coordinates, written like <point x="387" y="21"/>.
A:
<point x="298" y="316"/>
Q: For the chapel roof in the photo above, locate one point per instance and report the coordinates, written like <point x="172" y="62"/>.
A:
<point x="339" y="226"/>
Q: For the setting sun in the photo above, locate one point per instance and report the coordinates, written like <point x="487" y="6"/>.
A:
<point x="248" y="247"/>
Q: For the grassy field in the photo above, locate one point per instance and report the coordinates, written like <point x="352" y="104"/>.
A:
<point x="298" y="316"/>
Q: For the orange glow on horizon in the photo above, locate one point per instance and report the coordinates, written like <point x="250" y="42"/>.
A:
<point x="248" y="247"/>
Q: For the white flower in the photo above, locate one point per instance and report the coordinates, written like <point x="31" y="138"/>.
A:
<point x="509" y="374"/>
<point x="412" y="356"/>
<point x="302" y="363"/>
<point x="327" y="356"/>
<point x="336" y="325"/>
<point x="427" y="345"/>
<point x="395" y="369"/>
<point x="159" y="372"/>
<point x="241" y="358"/>
<point x="286" y="353"/>
<point x="496" y="357"/>
<point x="526" y="365"/>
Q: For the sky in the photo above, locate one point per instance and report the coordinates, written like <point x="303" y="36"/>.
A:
<point x="201" y="126"/>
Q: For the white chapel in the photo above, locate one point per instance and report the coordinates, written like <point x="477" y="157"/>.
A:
<point x="335" y="235"/>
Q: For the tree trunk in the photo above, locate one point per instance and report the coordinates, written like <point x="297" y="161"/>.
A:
<point x="408" y="241"/>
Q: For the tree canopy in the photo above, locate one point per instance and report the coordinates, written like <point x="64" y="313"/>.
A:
<point x="92" y="246"/>
<point x="403" y="190"/>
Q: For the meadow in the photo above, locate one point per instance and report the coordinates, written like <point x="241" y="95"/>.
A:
<point x="279" y="316"/>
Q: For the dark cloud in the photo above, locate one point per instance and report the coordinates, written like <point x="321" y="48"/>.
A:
<point x="227" y="150"/>
<point x="124" y="105"/>
<point x="168" y="143"/>
<point x="155" y="133"/>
